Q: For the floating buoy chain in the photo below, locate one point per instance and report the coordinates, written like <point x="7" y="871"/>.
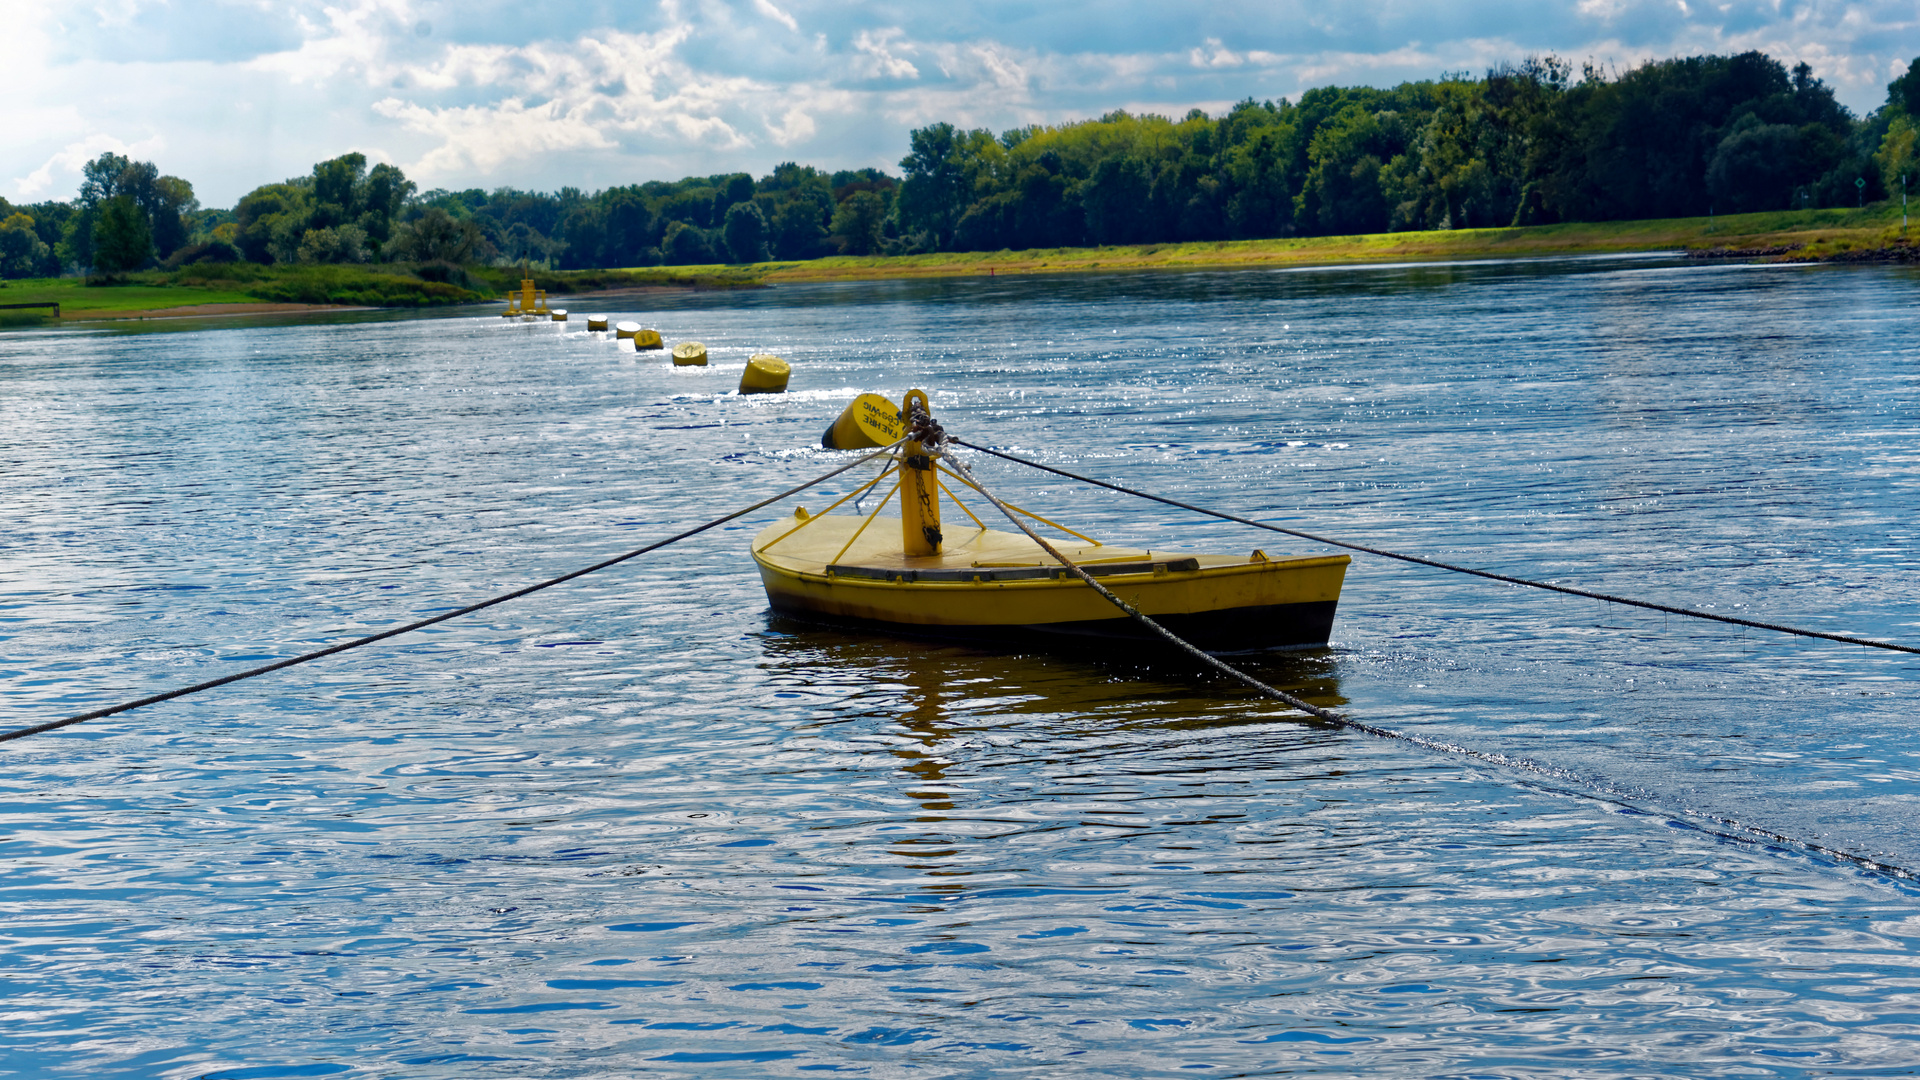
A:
<point x="1649" y="605"/>
<point x="423" y="623"/>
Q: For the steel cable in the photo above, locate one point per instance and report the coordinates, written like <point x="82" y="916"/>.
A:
<point x="1716" y="824"/>
<point x="410" y="627"/>
<point x="1691" y="613"/>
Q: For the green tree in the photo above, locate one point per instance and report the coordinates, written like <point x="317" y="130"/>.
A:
<point x="22" y="253"/>
<point x="1115" y="198"/>
<point x="383" y="197"/>
<point x="333" y="244"/>
<point x="632" y="229"/>
<point x="1899" y="156"/>
<point x="1756" y="167"/>
<point x="51" y="221"/>
<point x="435" y="236"/>
<point x="733" y="191"/>
<point x="693" y="206"/>
<point x="165" y="200"/>
<point x="269" y="211"/>
<point x="97" y="184"/>
<point x="798" y="226"/>
<point x="1256" y="170"/>
<point x="1904" y="92"/>
<point x="1448" y="176"/>
<point x="1641" y="145"/>
<point x="1343" y="192"/>
<point x="687" y="245"/>
<point x="339" y="189"/>
<point x="584" y="231"/>
<point x="859" y="223"/>
<point x="523" y="243"/>
<point x="172" y="204"/>
<point x="789" y="176"/>
<point x="746" y="232"/>
<point x="122" y="236"/>
<point x="940" y="173"/>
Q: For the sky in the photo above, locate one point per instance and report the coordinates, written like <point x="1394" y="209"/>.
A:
<point x="232" y="94"/>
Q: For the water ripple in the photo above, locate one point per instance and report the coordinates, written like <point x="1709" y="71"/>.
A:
<point x="636" y="824"/>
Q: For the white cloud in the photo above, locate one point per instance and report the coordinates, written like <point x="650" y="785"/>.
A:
<point x="603" y="91"/>
<point x="988" y="63"/>
<point x="356" y="37"/>
<point x="877" y="59"/>
<point x="1601" y="9"/>
<point x="121" y="13"/>
<point x="482" y="138"/>
<point x="794" y="127"/>
<point x="66" y="164"/>
<point x="765" y="7"/>
<point x="600" y="95"/>
<point x="1212" y="54"/>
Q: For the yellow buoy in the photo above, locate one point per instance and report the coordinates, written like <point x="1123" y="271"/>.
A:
<point x="529" y="301"/>
<point x="596" y="322"/>
<point x="871" y="420"/>
<point x="689" y="354"/>
<point x="646" y="339"/>
<point x="765" y="374"/>
<point x="559" y="314"/>
<point x="625" y="330"/>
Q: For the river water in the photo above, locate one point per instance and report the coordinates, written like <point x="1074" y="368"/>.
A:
<point x="635" y="824"/>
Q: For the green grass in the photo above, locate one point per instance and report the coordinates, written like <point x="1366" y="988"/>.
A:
<point x="78" y="300"/>
<point x="236" y="283"/>
<point x="1818" y="233"/>
<point x="360" y="286"/>
<point x="394" y="285"/>
<point x="572" y="282"/>
<point x="1812" y="234"/>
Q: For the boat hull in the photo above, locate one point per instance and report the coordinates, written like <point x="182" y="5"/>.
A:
<point x="1264" y="628"/>
<point x="996" y="586"/>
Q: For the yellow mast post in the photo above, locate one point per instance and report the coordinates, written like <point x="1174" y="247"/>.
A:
<point x="919" y="487"/>
<point x="526" y="300"/>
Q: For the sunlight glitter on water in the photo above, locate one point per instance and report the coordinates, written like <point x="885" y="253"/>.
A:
<point x="635" y="824"/>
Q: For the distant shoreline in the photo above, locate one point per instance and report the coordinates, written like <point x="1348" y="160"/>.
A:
<point x="1872" y="234"/>
<point x="191" y="311"/>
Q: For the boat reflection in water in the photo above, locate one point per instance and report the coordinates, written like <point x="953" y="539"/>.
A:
<point x="1052" y="705"/>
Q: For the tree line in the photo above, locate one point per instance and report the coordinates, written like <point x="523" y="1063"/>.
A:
<point x="1527" y="144"/>
<point x="1532" y="143"/>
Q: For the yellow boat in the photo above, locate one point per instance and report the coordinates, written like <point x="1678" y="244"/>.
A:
<point x="908" y="575"/>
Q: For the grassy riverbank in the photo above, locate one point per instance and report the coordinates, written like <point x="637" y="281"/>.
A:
<point x="1812" y="233"/>
<point x="238" y="287"/>
<point x="242" y="288"/>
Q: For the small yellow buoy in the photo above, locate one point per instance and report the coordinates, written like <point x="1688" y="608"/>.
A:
<point x="597" y="322"/>
<point x="871" y="420"/>
<point x="647" y="339"/>
<point x="765" y="374"/>
<point x="689" y="354"/>
<point x="559" y="314"/>
<point x="625" y="330"/>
